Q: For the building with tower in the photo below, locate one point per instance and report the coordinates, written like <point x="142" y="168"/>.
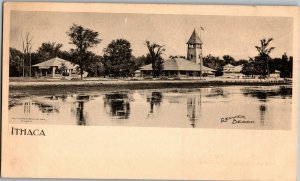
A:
<point x="191" y="66"/>
<point x="194" y="48"/>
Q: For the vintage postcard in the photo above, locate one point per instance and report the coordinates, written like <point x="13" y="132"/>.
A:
<point x="148" y="91"/>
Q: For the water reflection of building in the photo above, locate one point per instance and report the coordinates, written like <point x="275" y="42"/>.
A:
<point x="43" y="107"/>
<point x="263" y="94"/>
<point x="80" y="113"/>
<point x="193" y="109"/>
<point x="154" y="100"/>
<point x="57" y="97"/>
<point x="117" y="105"/>
<point x="27" y="109"/>
<point x="14" y="102"/>
<point x="217" y="92"/>
<point x="262" y="110"/>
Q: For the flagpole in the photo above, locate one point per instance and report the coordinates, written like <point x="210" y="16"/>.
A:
<point x="200" y="32"/>
<point x="201" y="60"/>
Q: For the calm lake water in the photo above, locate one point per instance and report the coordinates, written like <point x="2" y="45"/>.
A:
<point x="242" y="107"/>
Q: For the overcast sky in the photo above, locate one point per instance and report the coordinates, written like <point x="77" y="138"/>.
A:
<point x="232" y="35"/>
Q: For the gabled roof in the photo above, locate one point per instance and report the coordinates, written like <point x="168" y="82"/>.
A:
<point x="238" y="68"/>
<point x="234" y="69"/>
<point x="194" y="39"/>
<point x="179" y="64"/>
<point x="277" y="71"/>
<point x="228" y="66"/>
<point x="55" y="62"/>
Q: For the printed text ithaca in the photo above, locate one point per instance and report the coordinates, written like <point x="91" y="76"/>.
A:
<point x="27" y="132"/>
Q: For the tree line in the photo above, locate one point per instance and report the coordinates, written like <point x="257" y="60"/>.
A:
<point x="117" y="59"/>
<point x="262" y="64"/>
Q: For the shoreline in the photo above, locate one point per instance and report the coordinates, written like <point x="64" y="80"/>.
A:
<point x="111" y="85"/>
<point x="97" y="82"/>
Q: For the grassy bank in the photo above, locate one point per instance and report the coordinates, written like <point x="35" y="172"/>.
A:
<point x="112" y="85"/>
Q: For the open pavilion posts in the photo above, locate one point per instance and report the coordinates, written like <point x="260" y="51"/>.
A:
<point x="53" y="68"/>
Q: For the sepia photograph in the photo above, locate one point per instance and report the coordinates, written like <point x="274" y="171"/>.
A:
<point x="145" y="70"/>
<point x="149" y="91"/>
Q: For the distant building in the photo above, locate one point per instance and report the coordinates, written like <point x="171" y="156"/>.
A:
<point x="276" y="74"/>
<point x="55" y="68"/>
<point x="180" y="67"/>
<point x="231" y="71"/>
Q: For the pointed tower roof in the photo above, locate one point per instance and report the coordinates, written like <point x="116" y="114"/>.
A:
<point x="194" y="39"/>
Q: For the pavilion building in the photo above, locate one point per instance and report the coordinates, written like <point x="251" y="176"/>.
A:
<point x="231" y="71"/>
<point x="55" y="68"/>
<point x="192" y="66"/>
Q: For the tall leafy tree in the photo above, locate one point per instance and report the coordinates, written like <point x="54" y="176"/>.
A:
<point x="264" y="55"/>
<point x="139" y="62"/>
<point x="95" y="67"/>
<point x="154" y="55"/>
<point x="65" y="55"/>
<point x="83" y="39"/>
<point x="49" y="50"/>
<point x="250" y="69"/>
<point x="215" y="63"/>
<point x="228" y="59"/>
<point x="290" y="67"/>
<point x="117" y="58"/>
<point x="283" y="64"/>
<point x="241" y="62"/>
<point x="15" y="62"/>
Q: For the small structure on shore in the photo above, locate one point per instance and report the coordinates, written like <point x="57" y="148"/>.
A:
<point x="55" y="68"/>
<point x="181" y="67"/>
<point x="231" y="71"/>
<point x="276" y="74"/>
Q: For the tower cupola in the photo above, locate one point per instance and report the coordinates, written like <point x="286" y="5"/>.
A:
<point x="194" y="50"/>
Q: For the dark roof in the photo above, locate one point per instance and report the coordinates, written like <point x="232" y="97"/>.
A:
<point x="194" y="39"/>
<point x="179" y="64"/>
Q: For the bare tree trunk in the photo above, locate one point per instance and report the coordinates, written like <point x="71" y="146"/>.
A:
<point x="26" y="45"/>
<point x="268" y="71"/>
<point x="30" y="64"/>
<point x="96" y="72"/>
<point x="23" y="66"/>
<point x="153" y="69"/>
